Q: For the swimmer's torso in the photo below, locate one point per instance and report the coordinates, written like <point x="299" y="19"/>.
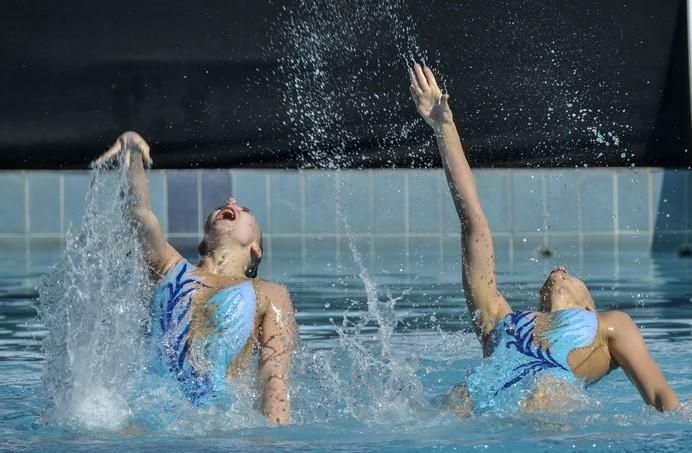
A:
<point x="201" y="327"/>
<point x="526" y="347"/>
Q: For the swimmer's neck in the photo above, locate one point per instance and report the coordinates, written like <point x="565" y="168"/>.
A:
<point x="227" y="261"/>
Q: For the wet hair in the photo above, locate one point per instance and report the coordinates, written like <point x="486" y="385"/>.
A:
<point x="251" y="271"/>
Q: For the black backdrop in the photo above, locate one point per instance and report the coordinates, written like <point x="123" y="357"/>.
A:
<point x="533" y="83"/>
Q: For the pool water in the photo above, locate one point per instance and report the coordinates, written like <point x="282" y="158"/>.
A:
<point x="377" y="351"/>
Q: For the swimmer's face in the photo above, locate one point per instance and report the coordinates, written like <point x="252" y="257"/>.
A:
<point x="232" y="222"/>
<point x="562" y="290"/>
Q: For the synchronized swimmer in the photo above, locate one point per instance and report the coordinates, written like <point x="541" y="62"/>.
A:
<point x="530" y="356"/>
<point x="207" y="318"/>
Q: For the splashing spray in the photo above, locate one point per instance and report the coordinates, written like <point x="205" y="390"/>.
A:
<point x="93" y="305"/>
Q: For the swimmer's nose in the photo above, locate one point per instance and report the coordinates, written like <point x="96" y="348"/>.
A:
<point x="231" y="201"/>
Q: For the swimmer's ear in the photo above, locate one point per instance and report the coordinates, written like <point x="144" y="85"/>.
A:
<point x="255" y="259"/>
<point x="255" y="251"/>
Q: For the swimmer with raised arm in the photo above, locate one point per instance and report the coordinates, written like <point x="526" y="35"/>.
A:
<point x="531" y="357"/>
<point x="206" y="318"/>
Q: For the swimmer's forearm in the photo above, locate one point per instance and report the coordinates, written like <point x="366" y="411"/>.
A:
<point x="460" y="178"/>
<point x="275" y="402"/>
<point x="139" y="186"/>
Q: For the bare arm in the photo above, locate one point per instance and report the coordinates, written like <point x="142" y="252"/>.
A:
<point x="159" y="254"/>
<point x="277" y="340"/>
<point x="485" y="303"/>
<point x="628" y="349"/>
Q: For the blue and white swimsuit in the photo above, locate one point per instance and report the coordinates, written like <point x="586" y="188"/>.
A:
<point x="199" y="360"/>
<point x="522" y="349"/>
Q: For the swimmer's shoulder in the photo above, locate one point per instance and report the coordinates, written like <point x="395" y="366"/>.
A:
<point x="609" y="322"/>
<point x="271" y="293"/>
<point x="613" y="323"/>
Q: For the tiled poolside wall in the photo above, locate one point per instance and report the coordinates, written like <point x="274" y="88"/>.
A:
<point x="567" y="211"/>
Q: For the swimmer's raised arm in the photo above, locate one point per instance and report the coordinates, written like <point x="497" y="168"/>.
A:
<point x="159" y="254"/>
<point x="277" y="340"/>
<point x="484" y="301"/>
<point x="628" y="350"/>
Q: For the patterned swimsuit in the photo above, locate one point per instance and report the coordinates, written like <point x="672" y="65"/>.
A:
<point x="199" y="360"/>
<point x="524" y="347"/>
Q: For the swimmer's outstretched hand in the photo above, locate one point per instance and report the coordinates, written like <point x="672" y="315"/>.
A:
<point x="429" y="99"/>
<point x="128" y="142"/>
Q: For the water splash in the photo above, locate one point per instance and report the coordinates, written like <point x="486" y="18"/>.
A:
<point x="91" y="303"/>
<point x="333" y="61"/>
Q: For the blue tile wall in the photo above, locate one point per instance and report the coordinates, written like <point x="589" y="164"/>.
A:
<point x="526" y="244"/>
<point x="388" y="258"/>
<point x="425" y="255"/>
<point x="250" y="188"/>
<point x="389" y="197"/>
<point x="321" y="250"/>
<point x="216" y="188"/>
<point x="451" y="256"/>
<point x="633" y="197"/>
<point x="670" y="200"/>
<point x="564" y="246"/>
<point x="562" y="212"/>
<point x="320" y="202"/>
<point x="286" y="202"/>
<point x="44" y="203"/>
<point x="12" y="203"/>
<point x="354" y="194"/>
<point x="300" y="212"/>
<point x="596" y="205"/>
<point x="599" y="241"/>
<point x="632" y="241"/>
<point x="183" y="202"/>
<point x="493" y="193"/>
<point x="527" y="201"/>
<point x="424" y="207"/>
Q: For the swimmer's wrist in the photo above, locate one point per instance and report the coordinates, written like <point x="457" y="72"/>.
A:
<point x="443" y="128"/>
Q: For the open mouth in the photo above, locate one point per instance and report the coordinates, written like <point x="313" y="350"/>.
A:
<point x="226" y="214"/>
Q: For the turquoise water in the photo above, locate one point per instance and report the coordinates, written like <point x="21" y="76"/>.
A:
<point x="370" y="384"/>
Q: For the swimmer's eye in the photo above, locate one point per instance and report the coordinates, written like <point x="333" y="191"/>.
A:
<point x="247" y="210"/>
